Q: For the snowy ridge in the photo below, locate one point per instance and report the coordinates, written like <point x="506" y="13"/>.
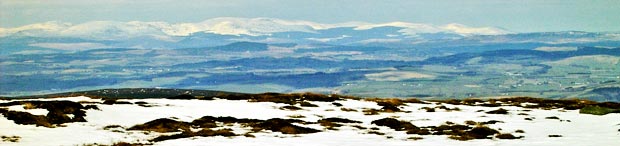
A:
<point x="225" y="25"/>
<point x="110" y="121"/>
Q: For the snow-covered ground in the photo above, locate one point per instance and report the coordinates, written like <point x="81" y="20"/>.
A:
<point x="574" y="128"/>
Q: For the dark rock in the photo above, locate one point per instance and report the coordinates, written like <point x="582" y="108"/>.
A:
<point x="395" y="124"/>
<point x="470" y="122"/>
<point x="498" y="111"/>
<point x="203" y="133"/>
<point x="553" y="117"/>
<point x="57" y="113"/>
<point x="290" y="107"/>
<point x="141" y="102"/>
<point x="348" y="109"/>
<point x="162" y="125"/>
<point x="415" y="138"/>
<point x="555" y="135"/>
<point x="95" y="107"/>
<point x="376" y="132"/>
<point x="182" y="96"/>
<point x="26" y="118"/>
<point x="419" y="131"/>
<point x="390" y="105"/>
<point x="340" y="120"/>
<point x="10" y="138"/>
<point x="278" y="125"/>
<point x="428" y="109"/>
<point x="481" y="132"/>
<point x="507" y="136"/>
<point x="284" y="126"/>
<point x="112" y="127"/>
<point x="307" y="104"/>
<point x="491" y="122"/>
<point x="114" y="101"/>
<point x="449" y="129"/>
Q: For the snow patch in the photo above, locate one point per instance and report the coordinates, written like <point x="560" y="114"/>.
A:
<point x="556" y="49"/>
<point x="594" y="59"/>
<point x="70" y="46"/>
<point x="396" y="76"/>
<point x="466" y="30"/>
<point x="36" y="111"/>
<point x="581" y="130"/>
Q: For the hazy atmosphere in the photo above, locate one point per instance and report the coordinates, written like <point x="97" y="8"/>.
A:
<point x="514" y="15"/>
<point x="309" y="73"/>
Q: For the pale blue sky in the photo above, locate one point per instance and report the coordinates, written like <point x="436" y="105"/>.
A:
<point x="514" y="15"/>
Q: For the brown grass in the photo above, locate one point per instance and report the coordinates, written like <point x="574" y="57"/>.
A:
<point x="415" y="138"/>
<point x="539" y="103"/>
<point x="473" y="130"/>
<point x="296" y="116"/>
<point x="57" y="114"/>
<point x="428" y="109"/>
<point x="507" y="136"/>
<point x="307" y="104"/>
<point x="27" y="118"/>
<point x="359" y="127"/>
<point x="162" y="125"/>
<point x="470" y="122"/>
<point x="29" y="106"/>
<point x="553" y="118"/>
<point x="376" y="132"/>
<point x="331" y="123"/>
<point x="448" y="109"/>
<point x="395" y="124"/>
<point x="555" y="135"/>
<point x="491" y="122"/>
<point x="127" y="144"/>
<point x="204" y="133"/>
<point x="290" y="107"/>
<point x="348" y="109"/>
<point x="371" y="111"/>
<point x="284" y="126"/>
<point x="11" y="138"/>
<point x="338" y="120"/>
<point x="498" y="111"/>
<point x="479" y="132"/>
<point x="112" y="127"/>
<point x="249" y="135"/>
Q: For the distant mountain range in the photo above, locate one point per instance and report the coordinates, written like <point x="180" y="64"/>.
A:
<point x="112" y="30"/>
<point x="395" y="59"/>
<point x="59" y="36"/>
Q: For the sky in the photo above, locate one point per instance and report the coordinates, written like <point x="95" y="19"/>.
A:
<point x="513" y="15"/>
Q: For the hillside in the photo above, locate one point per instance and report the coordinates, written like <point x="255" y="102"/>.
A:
<point x="303" y="119"/>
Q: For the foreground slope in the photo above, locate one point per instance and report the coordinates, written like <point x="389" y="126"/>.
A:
<point x="304" y="119"/>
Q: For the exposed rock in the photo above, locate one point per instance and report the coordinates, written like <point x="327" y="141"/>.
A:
<point x="507" y="136"/>
<point x="395" y="124"/>
<point x="57" y="112"/>
<point x="498" y="111"/>
<point x="162" y="125"/>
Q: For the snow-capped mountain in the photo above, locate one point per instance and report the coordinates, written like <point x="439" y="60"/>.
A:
<point x="226" y="30"/>
<point x="113" y="30"/>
